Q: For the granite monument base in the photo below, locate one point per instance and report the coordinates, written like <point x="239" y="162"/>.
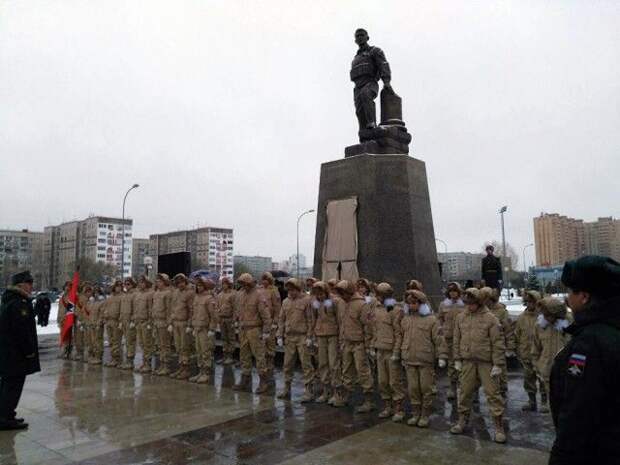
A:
<point x="396" y="239"/>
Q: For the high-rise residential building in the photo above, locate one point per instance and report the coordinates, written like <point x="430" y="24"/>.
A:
<point x="255" y="265"/>
<point x="293" y="261"/>
<point x="139" y="252"/>
<point x="210" y="248"/>
<point x="559" y="238"/>
<point x="98" y="238"/>
<point x="21" y="250"/>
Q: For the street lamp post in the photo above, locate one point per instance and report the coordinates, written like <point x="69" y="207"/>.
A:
<point x="501" y="212"/>
<point x="297" y="256"/>
<point x="524" y="265"/>
<point x="135" y="186"/>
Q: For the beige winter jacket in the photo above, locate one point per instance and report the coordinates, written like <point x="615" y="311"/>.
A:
<point x="478" y="337"/>
<point x="524" y="333"/>
<point x="181" y="304"/>
<point x="422" y="342"/>
<point x="252" y="310"/>
<point x="204" y="313"/>
<point x="142" y="306"/>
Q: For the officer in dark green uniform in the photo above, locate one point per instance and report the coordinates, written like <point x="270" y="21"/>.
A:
<point x="585" y="378"/>
<point x="19" y="349"/>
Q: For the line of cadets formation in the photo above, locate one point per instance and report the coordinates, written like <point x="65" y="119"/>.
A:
<point x="348" y="330"/>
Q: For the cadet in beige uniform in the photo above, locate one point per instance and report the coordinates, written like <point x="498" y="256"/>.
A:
<point x="325" y="332"/>
<point x="161" y="315"/>
<point x="386" y="342"/>
<point x="422" y="344"/>
<point x="96" y="308"/>
<point x="270" y="294"/>
<point x="142" y="318"/>
<point x="295" y="334"/>
<point x="225" y="315"/>
<point x="253" y="319"/>
<point x="179" y="323"/>
<point x="524" y="335"/>
<point x="112" y="324"/>
<point x="79" y="323"/>
<point x="479" y="351"/>
<point x="128" y="327"/>
<point x="356" y="339"/>
<point x="204" y="323"/>
<point x="491" y="301"/>
<point x="449" y="308"/>
<point x="549" y="339"/>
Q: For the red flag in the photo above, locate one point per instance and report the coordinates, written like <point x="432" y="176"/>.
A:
<point x="70" y="302"/>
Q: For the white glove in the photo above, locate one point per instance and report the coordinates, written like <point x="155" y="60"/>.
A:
<point x="120" y="326"/>
<point x="148" y="327"/>
<point x="308" y="342"/>
<point x="274" y="326"/>
<point x="265" y="336"/>
<point x="510" y="354"/>
<point x="132" y="325"/>
<point x="169" y="328"/>
<point x="210" y="333"/>
<point x="280" y="342"/>
<point x="194" y="332"/>
<point x="236" y="324"/>
<point x="442" y="363"/>
<point x="496" y="371"/>
<point x="458" y="365"/>
<point x="371" y="353"/>
<point x="188" y="330"/>
<point x="395" y="357"/>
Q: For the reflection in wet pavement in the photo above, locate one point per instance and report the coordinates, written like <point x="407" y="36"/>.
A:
<point x="86" y="414"/>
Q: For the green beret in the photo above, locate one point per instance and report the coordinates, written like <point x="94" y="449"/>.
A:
<point x="23" y="277"/>
<point x="600" y="276"/>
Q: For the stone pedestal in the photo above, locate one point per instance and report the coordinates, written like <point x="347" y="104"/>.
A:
<point x="396" y="239"/>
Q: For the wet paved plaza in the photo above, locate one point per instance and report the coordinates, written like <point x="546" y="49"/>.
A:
<point x="85" y="414"/>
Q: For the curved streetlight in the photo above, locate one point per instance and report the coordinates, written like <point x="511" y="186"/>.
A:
<point x="135" y="186"/>
<point x="299" y="218"/>
<point x="524" y="265"/>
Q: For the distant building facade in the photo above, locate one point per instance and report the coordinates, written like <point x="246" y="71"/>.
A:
<point x="256" y="265"/>
<point x="21" y="250"/>
<point x="139" y="253"/>
<point x="460" y="266"/>
<point x="210" y="248"/>
<point x="559" y="238"/>
<point x="98" y="238"/>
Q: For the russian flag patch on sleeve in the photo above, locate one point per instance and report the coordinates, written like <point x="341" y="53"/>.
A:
<point x="576" y="364"/>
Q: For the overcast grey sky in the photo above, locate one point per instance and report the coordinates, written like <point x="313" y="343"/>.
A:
<point x="223" y="111"/>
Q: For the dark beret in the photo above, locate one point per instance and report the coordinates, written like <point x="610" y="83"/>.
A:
<point x="23" y="277"/>
<point x="600" y="276"/>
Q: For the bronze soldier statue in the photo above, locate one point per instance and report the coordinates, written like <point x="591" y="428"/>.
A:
<point x="369" y="65"/>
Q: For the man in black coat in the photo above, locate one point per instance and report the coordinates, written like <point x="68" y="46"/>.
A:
<point x="42" y="309"/>
<point x="492" y="269"/>
<point x="585" y="378"/>
<point x="19" y="348"/>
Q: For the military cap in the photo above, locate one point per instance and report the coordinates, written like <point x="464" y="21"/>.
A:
<point x="600" y="276"/>
<point x="267" y="276"/>
<point x="294" y="282"/>
<point x="164" y="277"/>
<point x="332" y="282"/>
<point x="533" y="294"/>
<point x="179" y="277"/>
<point x="131" y="281"/>
<point x="474" y="295"/>
<point x="418" y="295"/>
<point x="454" y="287"/>
<point x="346" y="286"/>
<point x="384" y="288"/>
<point x="226" y="280"/>
<point x="415" y="285"/>
<point x="22" y="277"/>
<point x="552" y="306"/>
<point x="245" y="278"/>
<point x="320" y="286"/>
<point x="144" y="279"/>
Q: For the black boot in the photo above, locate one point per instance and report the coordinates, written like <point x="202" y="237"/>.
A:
<point x="531" y="406"/>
